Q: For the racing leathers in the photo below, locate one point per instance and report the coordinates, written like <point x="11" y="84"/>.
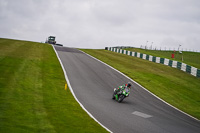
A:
<point x="121" y="88"/>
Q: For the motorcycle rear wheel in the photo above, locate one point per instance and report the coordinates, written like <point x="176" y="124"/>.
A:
<point x="121" y="98"/>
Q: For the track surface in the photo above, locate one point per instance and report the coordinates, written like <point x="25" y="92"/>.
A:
<point x="141" y="112"/>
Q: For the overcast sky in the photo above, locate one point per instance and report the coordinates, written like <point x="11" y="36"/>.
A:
<point x="100" y="23"/>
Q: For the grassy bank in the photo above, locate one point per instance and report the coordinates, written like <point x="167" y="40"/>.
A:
<point x="190" y="58"/>
<point x="32" y="95"/>
<point x="178" y="88"/>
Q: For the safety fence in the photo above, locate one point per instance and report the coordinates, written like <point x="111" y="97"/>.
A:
<point x="175" y="64"/>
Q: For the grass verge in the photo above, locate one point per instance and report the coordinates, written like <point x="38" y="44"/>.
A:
<point x="32" y="95"/>
<point x="176" y="87"/>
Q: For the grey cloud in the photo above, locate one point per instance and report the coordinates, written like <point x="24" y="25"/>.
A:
<point x="96" y="24"/>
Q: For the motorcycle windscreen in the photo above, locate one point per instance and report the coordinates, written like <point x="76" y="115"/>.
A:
<point x="127" y="90"/>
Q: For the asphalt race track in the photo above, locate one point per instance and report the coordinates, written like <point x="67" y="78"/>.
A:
<point x="93" y="83"/>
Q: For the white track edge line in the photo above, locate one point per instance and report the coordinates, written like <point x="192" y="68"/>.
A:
<point x="143" y="87"/>
<point x="69" y="85"/>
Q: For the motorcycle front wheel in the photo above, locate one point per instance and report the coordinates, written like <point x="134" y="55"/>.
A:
<point x="113" y="96"/>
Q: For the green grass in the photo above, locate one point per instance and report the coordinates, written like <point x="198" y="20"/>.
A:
<point x="190" y="58"/>
<point x="178" y="88"/>
<point x="32" y="94"/>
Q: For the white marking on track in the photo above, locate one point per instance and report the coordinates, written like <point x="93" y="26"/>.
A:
<point x="141" y="114"/>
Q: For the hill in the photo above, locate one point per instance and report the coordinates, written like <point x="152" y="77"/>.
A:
<point x="176" y="87"/>
<point x="32" y="94"/>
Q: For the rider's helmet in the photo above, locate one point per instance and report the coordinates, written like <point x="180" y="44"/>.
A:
<point x="129" y="84"/>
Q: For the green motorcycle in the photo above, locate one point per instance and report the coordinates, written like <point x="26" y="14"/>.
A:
<point x="119" y="96"/>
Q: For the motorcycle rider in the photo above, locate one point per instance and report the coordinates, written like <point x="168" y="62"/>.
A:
<point x="121" y="88"/>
